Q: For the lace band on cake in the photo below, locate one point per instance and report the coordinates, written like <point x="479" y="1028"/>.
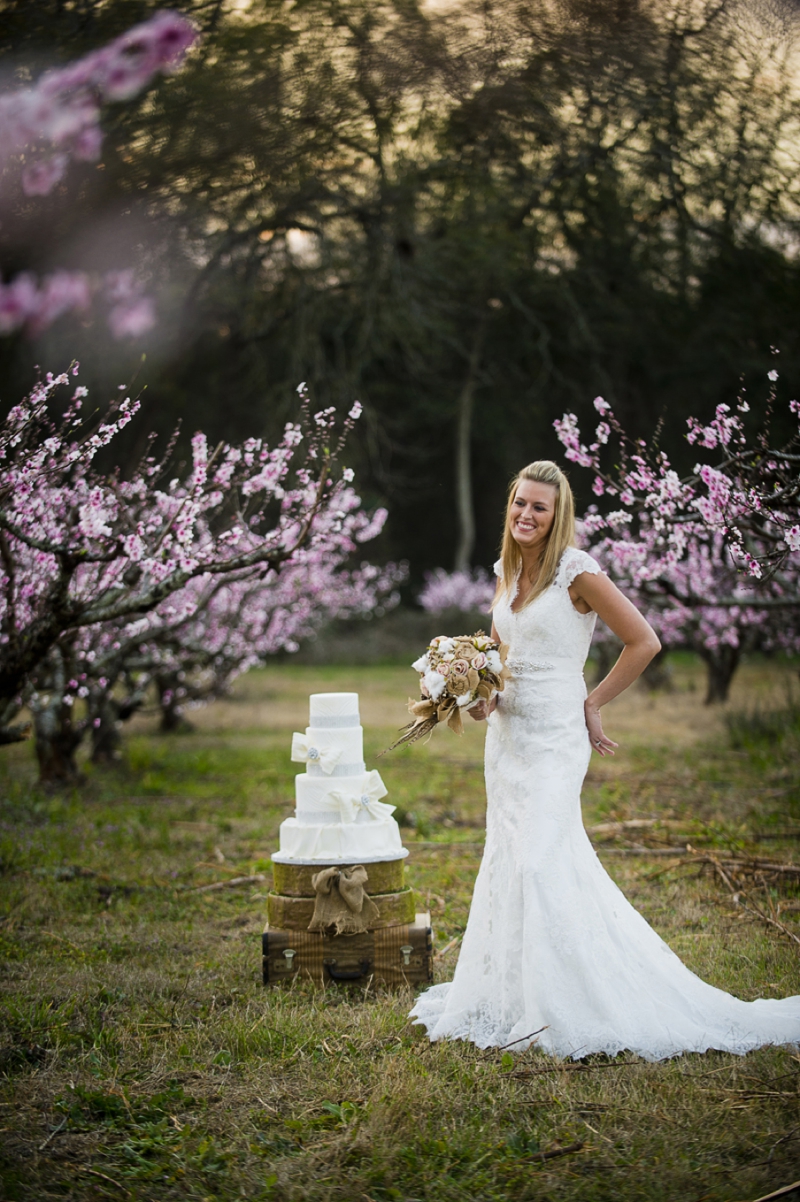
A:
<point x="339" y="770"/>
<point x="336" y="722"/>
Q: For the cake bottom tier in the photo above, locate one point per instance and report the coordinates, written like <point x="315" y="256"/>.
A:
<point x="394" y="957"/>
<point x="342" y="843"/>
<point x="295" y="913"/>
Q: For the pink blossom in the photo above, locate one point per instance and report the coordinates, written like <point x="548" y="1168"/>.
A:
<point x="60" y="113"/>
<point x="40" y="177"/>
<point x="61" y="108"/>
<point x="132" y="319"/>
<point x="88" y="144"/>
<point x="466" y="591"/>
<point x="18" y="303"/>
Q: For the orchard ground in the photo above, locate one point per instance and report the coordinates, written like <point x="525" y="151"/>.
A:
<point x="142" y="1058"/>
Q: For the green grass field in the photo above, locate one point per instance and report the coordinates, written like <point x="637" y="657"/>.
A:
<point x="141" y="1058"/>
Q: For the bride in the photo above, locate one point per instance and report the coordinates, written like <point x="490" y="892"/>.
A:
<point x="552" y="945"/>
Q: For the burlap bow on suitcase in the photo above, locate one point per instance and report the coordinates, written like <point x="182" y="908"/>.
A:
<point x="342" y="903"/>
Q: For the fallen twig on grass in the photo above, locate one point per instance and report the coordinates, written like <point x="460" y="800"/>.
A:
<point x="447" y="947"/>
<point x="730" y="870"/>
<point x="258" y="879"/>
<point x="640" y="850"/>
<point x="610" y="830"/>
<point x="53" y="1134"/>
<point x="783" y="1192"/>
<point x="105" y="1177"/>
<point x="753" y="864"/>
<point x="737" y="891"/>
<point x="61" y="939"/>
<point x="216" y="866"/>
<point x="554" y="1152"/>
<point x="521" y="1039"/>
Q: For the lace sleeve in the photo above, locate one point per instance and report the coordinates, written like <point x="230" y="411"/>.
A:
<point x="498" y="569"/>
<point x="573" y="563"/>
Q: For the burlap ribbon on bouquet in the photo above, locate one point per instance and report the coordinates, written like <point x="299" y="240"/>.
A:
<point x="342" y="903"/>
<point x="427" y="714"/>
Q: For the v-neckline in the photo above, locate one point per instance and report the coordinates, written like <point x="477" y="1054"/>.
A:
<point x="515" y="594"/>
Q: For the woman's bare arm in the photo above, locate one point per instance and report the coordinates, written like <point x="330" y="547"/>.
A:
<point x="641" y="643"/>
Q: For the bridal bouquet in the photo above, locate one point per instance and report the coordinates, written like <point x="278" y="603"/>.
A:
<point x="455" y="674"/>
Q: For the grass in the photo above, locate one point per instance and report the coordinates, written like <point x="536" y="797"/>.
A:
<point x="140" y="1057"/>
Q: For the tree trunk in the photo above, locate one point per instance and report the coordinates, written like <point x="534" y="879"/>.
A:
<point x="172" y="719"/>
<point x="464" y="501"/>
<point x="106" y="737"/>
<point x="57" y="740"/>
<point x="57" y="735"/>
<point x="721" y="666"/>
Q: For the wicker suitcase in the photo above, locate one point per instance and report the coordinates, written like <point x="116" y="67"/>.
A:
<point x="392" y="956"/>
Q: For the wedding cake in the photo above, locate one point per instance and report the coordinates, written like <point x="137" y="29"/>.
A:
<point x="339" y="816"/>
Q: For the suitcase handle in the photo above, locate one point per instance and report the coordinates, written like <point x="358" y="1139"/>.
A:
<point x="345" y="974"/>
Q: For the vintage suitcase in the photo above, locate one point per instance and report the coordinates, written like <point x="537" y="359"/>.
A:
<point x="391" y="956"/>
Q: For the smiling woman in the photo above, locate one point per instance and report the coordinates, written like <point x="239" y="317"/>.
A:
<point x="540" y="525"/>
<point x="533" y="510"/>
<point x="553" y="952"/>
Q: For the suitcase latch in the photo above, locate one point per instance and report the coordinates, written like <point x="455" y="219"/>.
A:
<point x="405" y="952"/>
<point x="289" y="956"/>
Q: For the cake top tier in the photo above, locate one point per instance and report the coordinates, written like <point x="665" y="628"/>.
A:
<point x="334" y="709"/>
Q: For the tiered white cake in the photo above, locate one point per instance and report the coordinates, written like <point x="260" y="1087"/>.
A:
<point x="339" y="817"/>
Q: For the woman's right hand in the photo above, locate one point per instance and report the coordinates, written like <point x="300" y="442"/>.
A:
<point x="482" y="710"/>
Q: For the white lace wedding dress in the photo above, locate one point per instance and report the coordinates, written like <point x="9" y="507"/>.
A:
<point x="551" y="941"/>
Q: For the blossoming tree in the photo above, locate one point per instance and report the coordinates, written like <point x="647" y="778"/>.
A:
<point x="712" y="558"/>
<point x="193" y="646"/>
<point x="80" y="549"/>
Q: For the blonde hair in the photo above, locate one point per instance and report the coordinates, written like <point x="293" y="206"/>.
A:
<point x="561" y="536"/>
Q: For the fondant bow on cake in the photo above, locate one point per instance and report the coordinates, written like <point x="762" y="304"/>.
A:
<point x="305" y="751"/>
<point x="368" y="799"/>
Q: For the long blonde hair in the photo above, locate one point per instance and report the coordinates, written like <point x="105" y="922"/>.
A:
<point x="561" y="536"/>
